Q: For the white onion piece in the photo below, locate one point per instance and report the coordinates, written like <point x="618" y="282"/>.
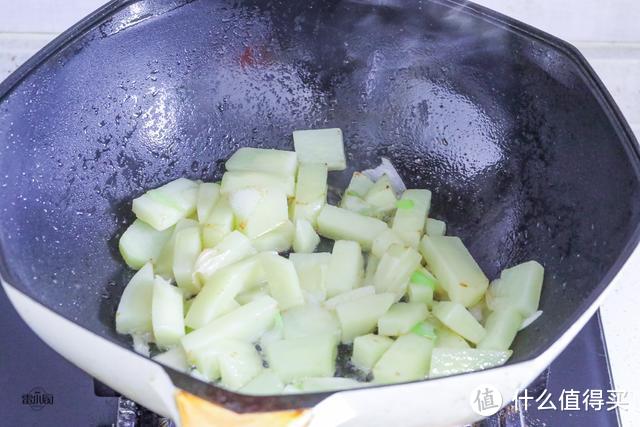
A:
<point x="529" y="320"/>
<point x="386" y="167"/>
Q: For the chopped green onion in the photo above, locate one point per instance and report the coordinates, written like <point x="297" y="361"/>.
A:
<point x="424" y="329"/>
<point x="277" y="321"/>
<point x="404" y="204"/>
<point x="420" y="278"/>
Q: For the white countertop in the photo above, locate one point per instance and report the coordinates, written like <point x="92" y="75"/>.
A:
<point x="608" y="34"/>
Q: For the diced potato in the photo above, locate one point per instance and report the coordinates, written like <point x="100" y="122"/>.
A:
<point x="259" y="211"/>
<point x="312" y="272"/>
<point x="502" y="327"/>
<point x="413" y="208"/>
<point x="401" y="317"/>
<point x="311" y="192"/>
<point x="346" y="268"/>
<point x="187" y="304"/>
<point x="433" y="320"/>
<point x="341" y="224"/>
<point x="233" y="285"/>
<point x="133" y="315"/>
<point x="174" y="358"/>
<point x="235" y="362"/>
<point x="384" y="241"/>
<point x="141" y="243"/>
<point x="302" y="260"/>
<point x="294" y="359"/>
<point x="244" y="202"/>
<point x="319" y="384"/>
<point x="381" y="196"/>
<point x="218" y="224"/>
<point x="478" y="310"/>
<point x="406" y="360"/>
<point x="239" y="364"/>
<point x="167" y="313"/>
<point x="229" y="307"/>
<point x="450" y="361"/>
<point x="278" y="162"/>
<point x="529" y="320"/>
<point x="435" y="227"/>
<point x="164" y="263"/>
<point x="455" y="269"/>
<point x="360" y="317"/>
<point x="194" y="373"/>
<point x="386" y="168"/>
<point x="238" y="180"/>
<point x="410" y="238"/>
<point x="323" y="146"/>
<point x="233" y="248"/>
<point x="368" y="349"/>
<point x="370" y="270"/>
<point x="291" y="389"/>
<point x="276" y="333"/>
<point x="306" y="239"/>
<point x="359" y="185"/>
<point x="206" y="360"/>
<point x="309" y="320"/>
<point x="307" y="211"/>
<point x="164" y="206"/>
<point x="446" y="338"/>
<point x="518" y="287"/>
<point x="395" y="269"/>
<point x="420" y="293"/>
<point x="221" y="288"/>
<point x="246" y="323"/>
<point x="156" y="214"/>
<point x="280" y="239"/>
<point x="351" y="295"/>
<point x="188" y="246"/>
<point x="458" y="318"/>
<point x="265" y="384"/>
<point x="282" y="279"/>
<point x="208" y="193"/>
<point x="248" y="296"/>
<point x="358" y="205"/>
<point x="181" y="193"/>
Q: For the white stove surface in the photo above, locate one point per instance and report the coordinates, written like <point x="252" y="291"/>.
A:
<point x="607" y="33"/>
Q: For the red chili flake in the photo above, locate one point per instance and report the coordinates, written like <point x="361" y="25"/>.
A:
<point x="246" y="58"/>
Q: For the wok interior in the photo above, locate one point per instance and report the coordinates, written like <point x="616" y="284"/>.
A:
<point x="504" y="129"/>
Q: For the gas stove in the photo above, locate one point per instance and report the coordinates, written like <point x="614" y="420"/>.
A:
<point x="40" y="388"/>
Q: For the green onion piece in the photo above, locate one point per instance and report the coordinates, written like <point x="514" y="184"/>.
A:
<point x="277" y="321"/>
<point x="420" y="278"/>
<point x="424" y="329"/>
<point x="351" y="193"/>
<point x="187" y="330"/>
<point x="404" y="204"/>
